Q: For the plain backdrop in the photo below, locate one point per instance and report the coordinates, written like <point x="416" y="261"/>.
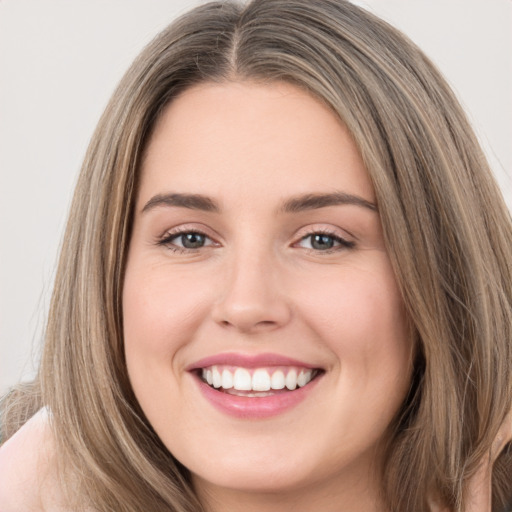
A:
<point x="59" y="63"/>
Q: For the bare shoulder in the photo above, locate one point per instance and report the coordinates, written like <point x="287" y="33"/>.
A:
<point x="28" y="470"/>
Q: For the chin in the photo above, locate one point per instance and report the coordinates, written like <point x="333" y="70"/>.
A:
<point x="261" y="480"/>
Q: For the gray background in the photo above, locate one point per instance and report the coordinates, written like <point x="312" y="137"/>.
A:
<point x="59" y="63"/>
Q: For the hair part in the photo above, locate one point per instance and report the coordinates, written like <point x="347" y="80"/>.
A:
<point x="447" y="231"/>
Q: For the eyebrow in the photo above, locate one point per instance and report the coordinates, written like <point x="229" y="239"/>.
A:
<point x="316" y="201"/>
<point x="191" y="201"/>
<point x="293" y="205"/>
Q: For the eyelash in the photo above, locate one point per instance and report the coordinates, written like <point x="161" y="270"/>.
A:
<point x="343" y="243"/>
<point x="167" y="241"/>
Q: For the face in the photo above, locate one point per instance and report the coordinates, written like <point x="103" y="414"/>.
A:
<point x="265" y="336"/>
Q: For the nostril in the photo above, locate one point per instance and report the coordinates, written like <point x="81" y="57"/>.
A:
<point x="247" y="325"/>
<point x="250" y="302"/>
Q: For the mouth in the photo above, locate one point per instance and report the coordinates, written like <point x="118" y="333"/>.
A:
<point x="257" y="382"/>
<point x="253" y="387"/>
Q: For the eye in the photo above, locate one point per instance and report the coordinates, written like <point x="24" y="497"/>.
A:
<point x="191" y="240"/>
<point x="186" y="240"/>
<point x="326" y="242"/>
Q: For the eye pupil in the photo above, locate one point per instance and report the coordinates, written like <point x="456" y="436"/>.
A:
<point x="192" y="240"/>
<point x="322" y="242"/>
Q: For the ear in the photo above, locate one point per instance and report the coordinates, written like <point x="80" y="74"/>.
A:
<point x="503" y="437"/>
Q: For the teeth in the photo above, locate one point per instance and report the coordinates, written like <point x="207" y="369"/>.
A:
<point x="217" y="379"/>
<point x="261" y="379"/>
<point x="242" y="380"/>
<point x="227" y="379"/>
<point x="277" y="381"/>
<point x="291" y="380"/>
<point x="302" y="379"/>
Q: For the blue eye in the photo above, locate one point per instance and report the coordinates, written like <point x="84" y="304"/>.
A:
<point x="322" y="242"/>
<point x="188" y="240"/>
<point x="192" y="240"/>
<point x="325" y="242"/>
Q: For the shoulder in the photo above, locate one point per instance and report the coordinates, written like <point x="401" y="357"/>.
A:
<point x="28" y="474"/>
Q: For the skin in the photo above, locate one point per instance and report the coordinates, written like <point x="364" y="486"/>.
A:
<point x="30" y="481"/>
<point x="259" y="286"/>
<point x="28" y="469"/>
<point x="283" y="298"/>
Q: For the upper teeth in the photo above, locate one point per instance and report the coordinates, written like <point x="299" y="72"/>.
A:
<point x="257" y="379"/>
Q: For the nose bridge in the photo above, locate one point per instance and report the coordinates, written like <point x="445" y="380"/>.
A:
<point x="250" y="297"/>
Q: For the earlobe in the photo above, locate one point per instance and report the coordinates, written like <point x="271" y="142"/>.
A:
<point x="503" y="437"/>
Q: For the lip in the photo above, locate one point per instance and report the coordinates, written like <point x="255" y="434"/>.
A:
<point x="249" y="361"/>
<point x="252" y="408"/>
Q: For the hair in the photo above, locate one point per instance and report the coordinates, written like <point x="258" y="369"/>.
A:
<point x="447" y="231"/>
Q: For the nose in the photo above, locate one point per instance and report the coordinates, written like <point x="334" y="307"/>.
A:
<point x="251" y="299"/>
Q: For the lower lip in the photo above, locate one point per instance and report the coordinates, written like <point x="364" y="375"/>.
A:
<point x="255" y="407"/>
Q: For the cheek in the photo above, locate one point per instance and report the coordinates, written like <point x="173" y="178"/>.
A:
<point x="362" y="320"/>
<point x="159" y="309"/>
<point x="162" y="309"/>
<point x="355" y="302"/>
<point x="359" y="315"/>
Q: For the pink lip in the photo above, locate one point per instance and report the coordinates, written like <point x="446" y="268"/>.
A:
<point x="248" y="361"/>
<point x="255" y="407"/>
<point x="245" y="407"/>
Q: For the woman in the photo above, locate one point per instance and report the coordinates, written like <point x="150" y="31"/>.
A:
<point x="285" y="283"/>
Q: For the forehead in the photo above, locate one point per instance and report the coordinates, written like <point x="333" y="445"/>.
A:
<point x="246" y="138"/>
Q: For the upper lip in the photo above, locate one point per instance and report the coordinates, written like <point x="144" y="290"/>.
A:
<point x="249" y="361"/>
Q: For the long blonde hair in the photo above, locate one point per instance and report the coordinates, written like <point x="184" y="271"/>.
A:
<point x="447" y="229"/>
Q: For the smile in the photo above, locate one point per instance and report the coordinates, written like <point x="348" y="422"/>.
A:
<point x="254" y="386"/>
<point x="256" y="382"/>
